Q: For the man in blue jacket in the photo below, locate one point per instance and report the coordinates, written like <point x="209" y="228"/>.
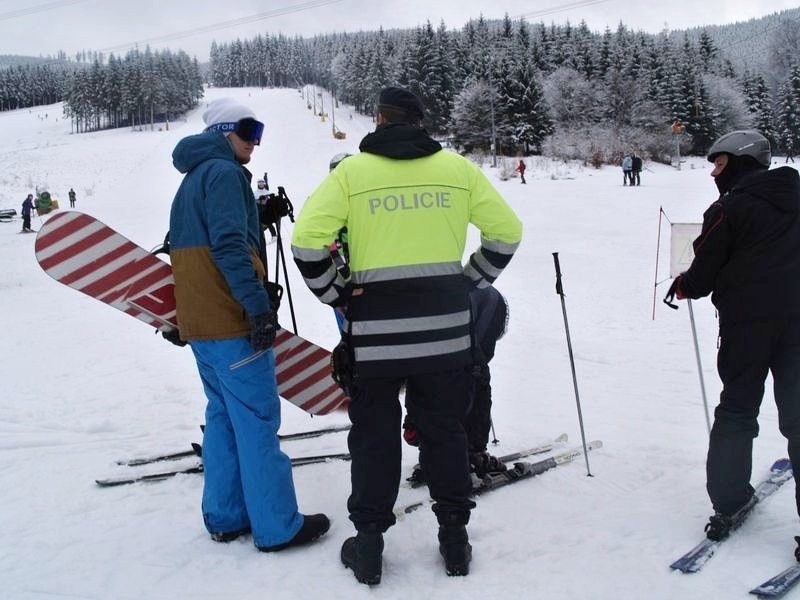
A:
<point x="228" y="319"/>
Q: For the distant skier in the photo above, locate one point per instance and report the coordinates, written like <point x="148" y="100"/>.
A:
<point x="627" y="168"/>
<point x="71" y="198"/>
<point x="27" y="208"/>
<point x="636" y="169"/>
<point x="521" y="170"/>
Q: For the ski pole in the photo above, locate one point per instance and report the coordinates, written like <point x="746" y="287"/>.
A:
<point x="560" y="292"/>
<point x="658" y="248"/>
<point x="280" y="257"/>
<point x="699" y="364"/>
<point x="495" y="441"/>
<point x="281" y="260"/>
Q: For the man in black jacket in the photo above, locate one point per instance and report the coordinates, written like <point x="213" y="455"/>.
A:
<point x="748" y="257"/>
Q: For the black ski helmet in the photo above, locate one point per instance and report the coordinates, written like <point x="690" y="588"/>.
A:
<point x="743" y="143"/>
<point x="337" y="159"/>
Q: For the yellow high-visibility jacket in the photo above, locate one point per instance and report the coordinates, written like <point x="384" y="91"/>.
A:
<point x="407" y="224"/>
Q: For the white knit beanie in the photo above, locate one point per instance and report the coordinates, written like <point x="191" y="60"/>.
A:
<point x="225" y="111"/>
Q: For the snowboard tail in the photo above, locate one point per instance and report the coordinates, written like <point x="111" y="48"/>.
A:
<point x="83" y="253"/>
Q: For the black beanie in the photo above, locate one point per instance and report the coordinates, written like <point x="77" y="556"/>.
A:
<point x="737" y="167"/>
<point x="401" y="100"/>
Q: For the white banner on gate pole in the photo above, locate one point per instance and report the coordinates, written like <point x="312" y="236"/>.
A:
<point x="681" y="252"/>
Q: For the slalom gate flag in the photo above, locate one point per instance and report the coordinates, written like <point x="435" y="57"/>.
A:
<point x="681" y="252"/>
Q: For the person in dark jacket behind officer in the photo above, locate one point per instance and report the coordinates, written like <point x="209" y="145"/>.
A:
<point x="489" y="322"/>
<point x="748" y="258"/>
<point x="230" y="322"/>
<point x="406" y="204"/>
<point x="490" y="319"/>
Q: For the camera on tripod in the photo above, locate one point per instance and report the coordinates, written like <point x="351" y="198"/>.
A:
<point x="273" y="207"/>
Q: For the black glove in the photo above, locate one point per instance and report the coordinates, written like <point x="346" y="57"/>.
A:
<point x="342" y="365"/>
<point x="344" y="295"/>
<point x="673" y="291"/>
<point x="263" y="329"/>
<point x="174" y="336"/>
<point x="275" y="293"/>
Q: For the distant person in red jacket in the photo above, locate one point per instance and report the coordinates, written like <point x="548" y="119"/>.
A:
<point x="521" y="170"/>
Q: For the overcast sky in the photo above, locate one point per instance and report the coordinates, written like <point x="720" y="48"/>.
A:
<point x="44" y="27"/>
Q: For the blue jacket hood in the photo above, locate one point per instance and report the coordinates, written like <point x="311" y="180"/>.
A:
<point x="195" y="149"/>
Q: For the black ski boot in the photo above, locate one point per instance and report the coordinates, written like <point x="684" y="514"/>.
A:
<point x="363" y="553"/>
<point x="719" y="526"/>
<point x="482" y="464"/>
<point x="314" y="527"/>
<point x="454" y="546"/>
<point x="418" y="476"/>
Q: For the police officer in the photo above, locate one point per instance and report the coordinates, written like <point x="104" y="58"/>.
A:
<point x="748" y="258"/>
<point x="406" y="204"/>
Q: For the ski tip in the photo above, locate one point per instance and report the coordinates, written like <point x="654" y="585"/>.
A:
<point x="104" y="483"/>
<point x="683" y="568"/>
<point x="779" y="585"/>
<point x="782" y="464"/>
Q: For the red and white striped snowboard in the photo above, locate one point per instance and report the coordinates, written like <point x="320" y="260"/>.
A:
<point x="85" y="254"/>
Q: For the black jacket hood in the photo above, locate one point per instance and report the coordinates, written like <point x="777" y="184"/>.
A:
<point x="401" y="141"/>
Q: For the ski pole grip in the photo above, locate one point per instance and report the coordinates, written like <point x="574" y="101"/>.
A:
<point x="559" y="288"/>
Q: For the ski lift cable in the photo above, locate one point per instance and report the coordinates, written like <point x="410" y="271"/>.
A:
<point x="22" y="12"/>
<point x="276" y="12"/>
<point x="560" y="8"/>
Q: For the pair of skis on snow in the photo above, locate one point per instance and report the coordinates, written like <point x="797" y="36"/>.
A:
<point x="697" y="557"/>
<point x="518" y="472"/>
<point x="197" y="451"/>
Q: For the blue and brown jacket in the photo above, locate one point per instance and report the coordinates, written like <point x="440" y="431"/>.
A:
<point x="214" y="242"/>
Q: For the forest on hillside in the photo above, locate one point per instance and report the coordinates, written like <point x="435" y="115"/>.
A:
<point x="510" y="87"/>
<point x="561" y="90"/>
<point x="141" y="88"/>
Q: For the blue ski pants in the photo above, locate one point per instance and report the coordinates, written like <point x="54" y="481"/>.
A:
<point x="248" y="478"/>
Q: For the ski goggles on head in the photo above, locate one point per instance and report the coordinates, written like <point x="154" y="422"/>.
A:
<point x="248" y="129"/>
